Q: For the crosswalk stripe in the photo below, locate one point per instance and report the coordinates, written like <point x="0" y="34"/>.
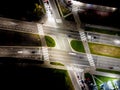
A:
<point x="44" y="49"/>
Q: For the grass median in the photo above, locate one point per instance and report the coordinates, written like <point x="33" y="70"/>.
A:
<point x="50" y="41"/>
<point x="77" y="46"/>
<point x="105" y="50"/>
<point x="104" y="31"/>
<point x="13" y="38"/>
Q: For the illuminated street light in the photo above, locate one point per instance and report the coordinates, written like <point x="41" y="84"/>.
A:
<point x="117" y="41"/>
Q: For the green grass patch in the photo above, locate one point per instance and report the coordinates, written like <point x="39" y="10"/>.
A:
<point x="105" y="50"/>
<point x="56" y="63"/>
<point x="77" y="46"/>
<point x="50" y="41"/>
<point x="13" y="38"/>
<point x="109" y="71"/>
<point x="102" y="79"/>
<point x="104" y="31"/>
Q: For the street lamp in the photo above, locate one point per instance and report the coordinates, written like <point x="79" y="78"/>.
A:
<point x="117" y="41"/>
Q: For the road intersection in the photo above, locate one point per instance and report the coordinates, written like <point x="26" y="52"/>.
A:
<point x="62" y="34"/>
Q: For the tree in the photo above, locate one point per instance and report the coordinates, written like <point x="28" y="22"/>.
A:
<point x="38" y="11"/>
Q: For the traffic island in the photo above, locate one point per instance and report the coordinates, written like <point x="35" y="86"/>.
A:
<point x="50" y="41"/>
<point x="77" y="46"/>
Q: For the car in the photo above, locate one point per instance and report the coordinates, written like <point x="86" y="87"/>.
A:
<point x="110" y="67"/>
<point x="33" y="52"/>
<point x="69" y="35"/>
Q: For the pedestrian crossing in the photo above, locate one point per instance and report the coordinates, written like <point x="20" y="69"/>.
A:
<point x="40" y="29"/>
<point x="90" y="59"/>
<point x="82" y="36"/>
<point x="89" y="56"/>
<point x="45" y="53"/>
<point x="43" y="42"/>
